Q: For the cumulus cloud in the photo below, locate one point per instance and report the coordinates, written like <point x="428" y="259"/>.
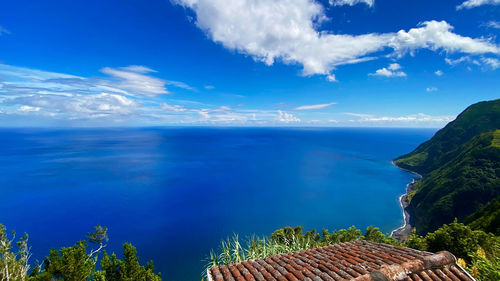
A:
<point x="314" y="106"/>
<point x="393" y="70"/>
<point x="351" y="2"/>
<point x="437" y="35"/>
<point x="439" y="72"/>
<point x="285" y="30"/>
<point x="287" y="117"/>
<point x="469" y="4"/>
<point x="431" y="89"/>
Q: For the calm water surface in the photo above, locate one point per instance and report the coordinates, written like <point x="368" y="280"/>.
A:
<point x="175" y="192"/>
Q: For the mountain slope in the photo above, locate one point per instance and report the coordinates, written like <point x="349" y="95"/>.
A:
<point x="461" y="169"/>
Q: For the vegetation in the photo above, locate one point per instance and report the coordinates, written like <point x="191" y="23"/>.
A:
<point x="487" y="218"/>
<point x="73" y="263"/>
<point x="287" y="240"/>
<point x="478" y="251"/>
<point x="461" y="169"/>
<point x="13" y="264"/>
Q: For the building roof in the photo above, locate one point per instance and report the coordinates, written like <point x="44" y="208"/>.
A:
<point x="357" y="260"/>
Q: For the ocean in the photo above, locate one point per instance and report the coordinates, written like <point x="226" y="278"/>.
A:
<point x="174" y="193"/>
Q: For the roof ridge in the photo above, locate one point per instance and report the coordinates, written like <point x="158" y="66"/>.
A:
<point x="398" y="272"/>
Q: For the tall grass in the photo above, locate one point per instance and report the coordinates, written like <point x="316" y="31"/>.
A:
<point x="287" y="240"/>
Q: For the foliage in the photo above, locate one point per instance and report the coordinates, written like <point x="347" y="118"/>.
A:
<point x="484" y="268"/>
<point x="127" y="269"/>
<point x="287" y="240"/>
<point x="461" y="168"/>
<point x="476" y="119"/>
<point x="479" y="252"/>
<point x="460" y="240"/>
<point x="70" y="263"/>
<point x="487" y="218"/>
<point x="14" y="266"/>
<point x="476" y="250"/>
<point x="496" y="139"/>
<point x="73" y="263"/>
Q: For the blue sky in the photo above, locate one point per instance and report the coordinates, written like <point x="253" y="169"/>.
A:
<point x="246" y="62"/>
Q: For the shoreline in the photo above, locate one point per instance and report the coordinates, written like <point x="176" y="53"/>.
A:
<point x="403" y="232"/>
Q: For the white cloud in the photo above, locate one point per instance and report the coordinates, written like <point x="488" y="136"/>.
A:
<point x="75" y="106"/>
<point x="137" y="69"/>
<point x="136" y="82"/>
<point x="285" y="30"/>
<point x="412" y="118"/>
<point x="491" y="62"/>
<point x="493" y="24"/>
<point x="314" y="106"/>
<point x="287" y="117"/>
<point x="331" y="78"/>
<point x="486" y="62"/>
<point x="437" y="35"/>
<point x="179" y="84"/>
<point x="27" y="108"/>
<point x="174" y="108"/>
<point x="439" y="72"/>
<point x="431" y="89"/>
<point x="394" y="66"/>
<point x="204" y="115"/>
<point x="130" y="80"/>
<point x="68" y="97"/>
<point x="351" y="2"/>
<point x="469" y="4"/>
<point x="16" y="73"/>
<point x="4" y="31"/>
<point x="209" y="87"/>
<point x="390" y="71"/>
<point x="464" y="59"/>
<point x="88" y="101"/>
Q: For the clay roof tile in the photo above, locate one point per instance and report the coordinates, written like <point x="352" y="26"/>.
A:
<point x="356" y="261"/>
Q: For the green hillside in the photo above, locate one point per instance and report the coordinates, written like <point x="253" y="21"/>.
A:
<point x="461" y="169"/>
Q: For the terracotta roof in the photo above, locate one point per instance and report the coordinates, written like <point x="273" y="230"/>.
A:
<point x="357" y="261"/>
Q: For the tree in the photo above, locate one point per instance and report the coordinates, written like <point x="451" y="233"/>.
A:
<point x="459" y="239"/>
<point x="128" y="269"/>
<point x="374" y="234"/>
<point x="71" y="263"/>
<point x="14" y="266"/>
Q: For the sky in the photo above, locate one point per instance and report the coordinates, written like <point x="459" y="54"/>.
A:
<point x="349" y="63"/>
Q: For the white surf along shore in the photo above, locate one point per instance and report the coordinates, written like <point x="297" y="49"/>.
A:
<point x="404" y="231"/>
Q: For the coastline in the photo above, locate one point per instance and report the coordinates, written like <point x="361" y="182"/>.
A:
<point x="403" y="232"/>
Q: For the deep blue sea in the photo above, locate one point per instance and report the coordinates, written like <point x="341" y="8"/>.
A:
<point x="174" y="193"/>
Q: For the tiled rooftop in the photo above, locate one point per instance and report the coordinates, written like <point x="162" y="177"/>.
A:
<point x="357" y="261"/>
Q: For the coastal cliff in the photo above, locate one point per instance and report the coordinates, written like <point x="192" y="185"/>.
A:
<point x="460" y="166"/>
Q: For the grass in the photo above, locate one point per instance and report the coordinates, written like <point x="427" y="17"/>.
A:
<point x="287" y="240"/>
<point x="496" y="139"/>
<point x="413" y="160"/>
